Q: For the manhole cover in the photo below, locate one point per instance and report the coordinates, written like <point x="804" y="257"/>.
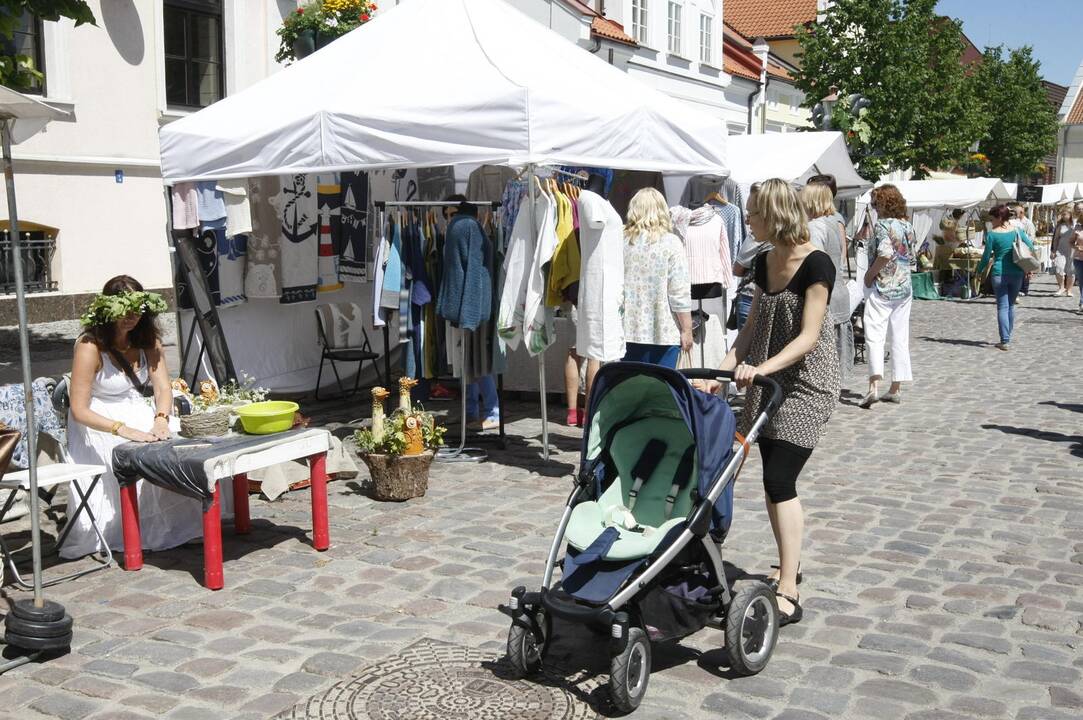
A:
<point x="441" y="681"/>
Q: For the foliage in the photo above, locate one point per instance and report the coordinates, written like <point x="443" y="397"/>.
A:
<point x="327" y="18"/>
<point x="906" y="60"/>
<point x="394" y="440"/>
<point x="1021" y="124"/>
<point x="105" y="309"/>
<point x="18" y="71"/>
<point x="212" y="397"/>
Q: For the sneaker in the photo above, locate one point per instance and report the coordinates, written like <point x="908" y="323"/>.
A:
<point x="573" y="417"/>
<point x="892" y="398"/>
<point x="1002" y="346"/>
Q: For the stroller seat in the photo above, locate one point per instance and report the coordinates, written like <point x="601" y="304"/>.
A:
<point x="655" y="475"/>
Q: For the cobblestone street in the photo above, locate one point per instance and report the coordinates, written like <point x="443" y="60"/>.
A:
<point x="943" y="568"/>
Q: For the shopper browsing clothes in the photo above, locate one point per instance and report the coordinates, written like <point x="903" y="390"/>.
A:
<point x="827" y="233"/>
<point x="788" y="336"/>
<point x="657" y="290"/>
<point x="888" y="294"/>
<point x="1007" y="276"/>
<point x="120" y="393"/>
<point x="1063" y="265"/>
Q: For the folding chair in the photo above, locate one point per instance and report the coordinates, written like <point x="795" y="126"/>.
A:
<point x="343" y="338"/>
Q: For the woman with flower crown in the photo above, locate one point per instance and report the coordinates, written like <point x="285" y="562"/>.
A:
<point x="120" y="392"/>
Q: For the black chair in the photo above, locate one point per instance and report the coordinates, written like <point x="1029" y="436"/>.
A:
<point x="341" y="326"/>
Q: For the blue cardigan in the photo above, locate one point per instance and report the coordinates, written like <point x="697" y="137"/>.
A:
<point x="466" y="288"/>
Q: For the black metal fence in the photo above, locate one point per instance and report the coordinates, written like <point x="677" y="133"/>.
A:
<point x="37" y="251"/>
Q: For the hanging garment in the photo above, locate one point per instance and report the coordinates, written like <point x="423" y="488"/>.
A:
<point x="204" y="245"/>
<point x="465" y="298"/>
<point x="231" y="262"/>
<point x="383" y="247"/>
<point x="708" y="248"/>
<point x="510" y="202"/>
<point x="430" y="325"/>
<point x="435" y="184"/>
<point x="296" y="206"/>
<point x="207" y="251"/>
<point x="209" y="202"/>
<point x="538" y="330"/>
<point x="606" y="173"/>
<point x="353" y="218"/>
<point x="185" y="206"/>
<point x="487" y="183"/>
<point x="599" y="334"/>
<point x="734" y="220"/>
<point x="328" y="199"/>
<point x="391" y="287"/>
<point x="262" y="278"/>
<point x="238" y="210"/>
<point x="564" y="267"/>
<point x="699" y="188"/>
<point x="516" y="270"/>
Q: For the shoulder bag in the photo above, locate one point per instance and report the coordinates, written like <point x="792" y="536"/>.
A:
<point x="9" y="440"/>
<point x="1023" y="256"/>
<point x="146" y="389"/>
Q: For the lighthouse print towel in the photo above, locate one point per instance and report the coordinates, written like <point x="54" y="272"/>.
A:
<point x="329" y="199"/>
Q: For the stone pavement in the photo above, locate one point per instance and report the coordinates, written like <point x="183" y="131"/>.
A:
<point x="943" y="566"/>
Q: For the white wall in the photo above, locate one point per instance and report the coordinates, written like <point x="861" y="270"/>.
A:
<point x="1071" y="152"/>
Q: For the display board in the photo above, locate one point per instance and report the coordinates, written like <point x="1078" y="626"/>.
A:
<point x="1029" y="193"/>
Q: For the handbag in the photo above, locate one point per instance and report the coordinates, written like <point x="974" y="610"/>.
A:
<point x="146" y="389"/>
<point x="9" y="440"/>
<point x="1023" y="256"/>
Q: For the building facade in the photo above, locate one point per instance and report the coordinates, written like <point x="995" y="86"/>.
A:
<point x="91" y="184"/>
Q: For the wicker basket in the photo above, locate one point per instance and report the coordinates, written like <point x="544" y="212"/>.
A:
<point x="398" y="477"/>
<point x="205" y="424"/>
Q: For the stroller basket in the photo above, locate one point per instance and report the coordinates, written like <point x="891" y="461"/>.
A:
<point x="678" y="607"/>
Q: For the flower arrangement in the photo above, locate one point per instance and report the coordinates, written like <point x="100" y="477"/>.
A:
<point x="105" y="309"/>
<point x="400" y="432"/>
<point x="211" y="397"/>
<point x="319" y="22"/>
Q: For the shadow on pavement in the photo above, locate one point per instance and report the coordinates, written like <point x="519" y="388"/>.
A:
<point x="1071" y="407"/>
<point x="1077" y="440"/>
<point x="953" y="341"/>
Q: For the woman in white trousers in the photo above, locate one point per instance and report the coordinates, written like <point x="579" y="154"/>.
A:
<point x="888" y="295"/>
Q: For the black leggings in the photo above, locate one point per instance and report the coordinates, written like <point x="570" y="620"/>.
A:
<point x="782" y="463"/>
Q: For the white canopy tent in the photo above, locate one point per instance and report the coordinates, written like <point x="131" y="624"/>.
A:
<point x="795" y="157"/>
<point x="435" y="83"/>
<point x="1055" y="194"/>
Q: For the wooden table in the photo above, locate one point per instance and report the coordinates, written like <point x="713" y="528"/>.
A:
<point x="314" y="447"/>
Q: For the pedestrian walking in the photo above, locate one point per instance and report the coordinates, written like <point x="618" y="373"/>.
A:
<point x="1007" y="276"/>
<point x="657" y="289"/>
<point x="1021" y="221"/>
<point x="827" y="233"/>
<point x="788" y="337"/>
<point x="1063" y="252"/>
<point x="1077" y="251"/>
<point x="888" y="294"/>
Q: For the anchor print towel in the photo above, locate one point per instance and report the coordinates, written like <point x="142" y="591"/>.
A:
<point x="296" y="205"/>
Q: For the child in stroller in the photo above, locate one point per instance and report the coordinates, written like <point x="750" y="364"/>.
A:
<point x="644" y="527"/>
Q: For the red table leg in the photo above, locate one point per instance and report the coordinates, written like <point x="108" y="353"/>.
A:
<point x="242" y="518"/>
<point x="212" y="544"/>
<point x="129" y="518"/>
<point x="321" y="538"/>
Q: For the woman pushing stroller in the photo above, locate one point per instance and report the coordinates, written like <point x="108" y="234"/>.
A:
<point x="786" y="337"/>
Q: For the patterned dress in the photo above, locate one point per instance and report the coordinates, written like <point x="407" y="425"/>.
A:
<point x="810" y="387"/>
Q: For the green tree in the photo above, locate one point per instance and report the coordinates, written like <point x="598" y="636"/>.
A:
<point x="1021" y="124"/>
<point x="17" y="71"/>
<point x="906" y="60"/>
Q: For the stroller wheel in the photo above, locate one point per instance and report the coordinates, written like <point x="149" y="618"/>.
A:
<point x="751" y="627"/>
<point x="630" y="670"/>
<point x="524" y="652"/>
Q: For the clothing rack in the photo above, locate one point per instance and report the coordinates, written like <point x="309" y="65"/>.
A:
<point x="461" y="453"/>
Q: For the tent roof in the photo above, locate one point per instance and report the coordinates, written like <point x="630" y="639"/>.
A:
<point x="965" y="193"/>
<point x="443" y="82"/>
<point x="794" y="157"/>
<point x="1054" y="194"/>
<point x="30" y="115"/>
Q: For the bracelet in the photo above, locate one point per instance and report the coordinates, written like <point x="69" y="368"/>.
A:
<point x="164" y="416"/>
<point x="115" y="430"/>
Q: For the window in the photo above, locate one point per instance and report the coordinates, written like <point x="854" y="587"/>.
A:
<point x="705" y="39"/>
<point x="639" y="21"/>
<point x="674" y="30"/>
<point x="193" y="52"/>
<point x="27" y="39"/>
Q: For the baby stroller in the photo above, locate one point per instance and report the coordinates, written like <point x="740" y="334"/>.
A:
<point x="644" y="527"/>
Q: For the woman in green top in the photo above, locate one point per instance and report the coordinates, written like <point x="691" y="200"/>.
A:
<point x="1007" y="276"/>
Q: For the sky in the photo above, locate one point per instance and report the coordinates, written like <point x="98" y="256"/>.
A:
<point x="1051" y="27"/>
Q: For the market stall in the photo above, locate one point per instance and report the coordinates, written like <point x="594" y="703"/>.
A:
<point x="795" y="157"/>
<point x="446" y="83"/>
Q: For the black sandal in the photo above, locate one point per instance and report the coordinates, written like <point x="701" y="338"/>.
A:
<point x="773" y="582"/>
<point x="785" y="619"/>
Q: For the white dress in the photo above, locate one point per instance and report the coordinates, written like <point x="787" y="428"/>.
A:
<point x="167" y="519"/>
<point x="600" y="330"/>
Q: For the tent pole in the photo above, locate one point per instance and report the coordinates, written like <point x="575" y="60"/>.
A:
<point x="531" y="181"/>
<point x="24" y="348"/>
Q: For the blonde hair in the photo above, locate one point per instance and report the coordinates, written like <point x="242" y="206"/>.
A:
<point x="648" y="215"/>
<point x="817" y="200"/>
<point x="777" y="203"/>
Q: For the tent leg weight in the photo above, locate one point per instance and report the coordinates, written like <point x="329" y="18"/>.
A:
<point x="32" y="628"/>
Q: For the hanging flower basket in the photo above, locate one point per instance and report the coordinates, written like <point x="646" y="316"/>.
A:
<point x="318" y="24"/>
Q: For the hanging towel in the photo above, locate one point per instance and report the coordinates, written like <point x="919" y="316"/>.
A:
<point x="210" y="204"/>
<point x="262" y="275"/>
<point x="329" y="198"/>
<point x="516" y="269"/>
<point x="238" y="210"/>
<point x="185" y="206"/>
<point x="466" y="288"/>
<point x="382" y="247"/>
<point x="538" y="327"/>
<point x="353" y="217"/>
<point x="393" y="278"/>
<point x="207" y="250"/>
<point x="296" y="207"/>
<point x="600" y="330"/>
<point x="232" y="252"/>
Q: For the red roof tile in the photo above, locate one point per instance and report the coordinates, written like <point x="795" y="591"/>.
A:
<point x="768" y="18"/>
<point x="1075" y="115"/>
<point x="603" y="27"/>
<point x="738" y="58"/>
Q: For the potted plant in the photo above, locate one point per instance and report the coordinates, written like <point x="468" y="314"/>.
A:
<point x="399" y="449"/>
<point x="318" y="23"/>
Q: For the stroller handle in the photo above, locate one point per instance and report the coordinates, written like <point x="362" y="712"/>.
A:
<point x="763" y="381"/>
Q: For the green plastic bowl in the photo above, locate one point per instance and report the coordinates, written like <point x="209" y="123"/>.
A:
<point x="265" y="418"/>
